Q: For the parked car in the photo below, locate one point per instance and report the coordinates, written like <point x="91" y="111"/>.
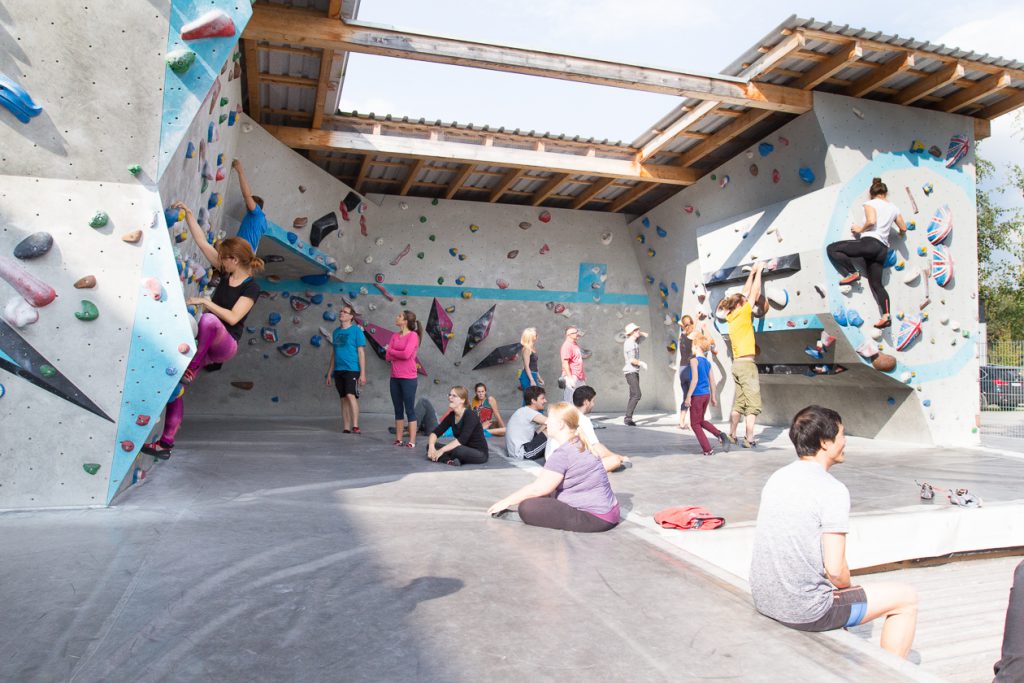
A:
<point x="1001" y="386"/>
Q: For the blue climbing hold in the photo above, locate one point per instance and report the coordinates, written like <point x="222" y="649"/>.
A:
<point x="274" y="318"/>
<point x="927" y="403"/>
<point x="840" y="316"/>
<point x="316" y="340"/>
<point x="853" y="318"/>
<point x="675" y="287"/>
<point x="17" y="100"/>
<point x="209" y="132"/>
<point x="661" y="231"/>
<point x="190" y="150"/>
<point x="172" y="215"/>
<point x="231" y="117"/>
<point x="813" y="352"/>
<point x="292" y="238"/>
<point x="646" y="221"/>
<point x="316" y="280"/>
<point x="765" y="148"/>
<point x="178" y="392"/>
<point x="213" y="202"/>
<point x="330" y="316"/>
<point x="890" y="258"/>
<point x="806" y="175"/>
<point x="289" y="350"/>
<point x="891" y="401"/>
<point x="250" y="329"/>
<point x="171" y="371"/>
<point x="2" y="391"/>
<point x="274" y="399"/>
<point x="317" y="299"/>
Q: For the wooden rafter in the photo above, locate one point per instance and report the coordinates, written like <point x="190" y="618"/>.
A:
<point x="288" y="49"/>
<point x="252" y="78"/>
<point x="973" y="93"/>
<point x="902" y="62"/>
<point x="322" y="85"/>
<point x="1013" y="101"/>
<point x="548" y="188"/>
<point x="360" y="143"/>
<point x="334" y="9"/>
<point x="630" y="196"/>
<point x="584" y="198"/>
<point x="505" y="183"/>
<point x="928" y="85"/>
<point x="364" y="171"/>
<point x="299" y="27"/>
<point x="410" y="178"/>
<point x="722" y="136"/>
<point x="844" y="56"/>
<point x="284" y="79"/>
<point x="457" y="182"/>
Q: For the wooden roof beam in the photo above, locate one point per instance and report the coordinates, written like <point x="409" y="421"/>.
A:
<point x="334" y="9"/>
<point x="457" y="183"/>
<point x="1013" y="101"/>
<point x="722" y="136"/>
<point x="505" y="183"/>
<point x="285" y="79"/>
<point x="583" y="198"/>
<point x="548" y="188"/>
<point x="322" y="84"/>
<point x="440" y="150"/>
<point x="312" y="29"/>
<point x="973" y="93"/>
<point x="410" y="178"/>
<point x="630" y="196"/>
<point x="847" y="53"/>
<point x="928" y="85"/>
<point x="903" y="61"/>
<point x="252" y="78"/>
<point x="364" y="172"/>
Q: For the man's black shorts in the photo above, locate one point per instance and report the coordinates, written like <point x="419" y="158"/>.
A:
<point x="346" y="382"/>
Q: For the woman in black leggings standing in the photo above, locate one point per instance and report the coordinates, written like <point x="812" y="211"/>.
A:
<point x="469" y="445"/>
<point x="871" y="243"/>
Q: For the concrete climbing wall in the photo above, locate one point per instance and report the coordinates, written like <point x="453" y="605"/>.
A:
<point x="94" y="332"/>
<point x="560" y="273"/>
<point x="785" y="200"/>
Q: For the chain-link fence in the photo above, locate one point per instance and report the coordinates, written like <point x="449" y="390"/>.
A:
<point x="1002" y="375"/>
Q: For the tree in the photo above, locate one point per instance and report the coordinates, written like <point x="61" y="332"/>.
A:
<point x="1000" y="272"/>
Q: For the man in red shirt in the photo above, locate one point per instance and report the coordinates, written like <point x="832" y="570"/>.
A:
<point x="572" y="363"/>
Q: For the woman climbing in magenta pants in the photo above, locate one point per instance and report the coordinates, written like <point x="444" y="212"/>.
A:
<point x="871" y="243"/>
<point x="223" y="319"/>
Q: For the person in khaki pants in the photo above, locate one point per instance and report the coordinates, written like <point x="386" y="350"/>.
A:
<point x="739" y="315"/>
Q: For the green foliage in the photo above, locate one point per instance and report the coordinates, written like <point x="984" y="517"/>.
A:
<point x="1000" y="236"/>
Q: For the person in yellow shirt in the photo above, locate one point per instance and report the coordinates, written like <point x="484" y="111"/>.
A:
<point x="739" y="315"/>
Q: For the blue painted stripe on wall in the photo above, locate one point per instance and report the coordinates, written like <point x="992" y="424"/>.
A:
<point x="183" y="95"/>
<point x="887" y="162"/>
<point x="158" y="328"/>
<point x="321" y="260"/>
<point x="778" y="324"/>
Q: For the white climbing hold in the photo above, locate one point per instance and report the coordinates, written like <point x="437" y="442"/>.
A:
<point x="368" y="259"/>
<point x="372" y="306"/>
<point x="858" y="113"/>
<point x="906" y="377"/>
<point x="606" y="238"/>
<point x="911" y="276"/>
<point x="845" y="290"/>
<point x="380" y="242"/>
<point x="944" y="320"/>
<point x="868" y="348"/>
<point x="246" y="127"/>
<point x="20" y="313"/>
<point x="403" y="206"/>
<point x="777" y="295"/>
<point x="954" y="325"/>
<point x="875" y="333"/>
<point x="348" y="269"/>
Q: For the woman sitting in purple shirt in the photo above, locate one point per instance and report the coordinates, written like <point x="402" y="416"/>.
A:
<point x="572" y="492"/>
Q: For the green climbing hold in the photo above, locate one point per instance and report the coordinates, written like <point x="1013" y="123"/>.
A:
<point x="405" y="292"/>
<point x="91" y="467"/>
<point x="403" y="302"/>
<point x="135" y="169"/>
<point x="89" y="311"/>
<point x="181" y="60"/>
<point x="99" y="219"/>
<point x="423" y="219"/>
<point x="440" y="280"/>
<point x="223" y="118"/>
<point x="206" y="184"/>
<point x="223" y="101"/>
<point x="419" y="254"/>
<point x="435" y="201"/>
<point x="432" y="238"/>
<point x="47" y="371"/>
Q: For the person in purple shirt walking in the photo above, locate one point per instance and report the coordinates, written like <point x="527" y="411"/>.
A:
<point x="572" y="492"/>
<point x="401" y="353"/>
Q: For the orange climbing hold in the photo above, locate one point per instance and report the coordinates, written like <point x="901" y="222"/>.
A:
<point x="214" y="24"/>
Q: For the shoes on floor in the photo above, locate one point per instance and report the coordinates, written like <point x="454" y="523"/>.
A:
<point x="398" y="442"/>
<point x="747" y="443"/>
<point x="346" y="431"/>
<point x="725" y="442"/>
<point x="629" y="423"/>
<point x="356" y="430"/>
<point x="408" y="444"/>
<point x="709" y="452"/>
<point x="731" y="438"/>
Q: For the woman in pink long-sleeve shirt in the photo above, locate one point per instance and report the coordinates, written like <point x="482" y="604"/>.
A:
<point x="401" y="353"/>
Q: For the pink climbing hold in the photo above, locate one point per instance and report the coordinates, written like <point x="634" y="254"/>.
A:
<point x="559" y="308"/>
<point x="544" y="217"/>
<point x="383" y="290"/>
<point x="343" y="209"/>
<point x="152" y="286"/>
<point x="184" y="348"/>
<point x="776" y="176"/>
<point x="214" y="24"/>
<point x="133" y="237"/>
<point x="221" y="174"/>
<point x="142" y="420"/>
<point x="544" y="249"/>
<point x="401" y="255"/>
<point x="502" y="284"/>
<point x="688" y="208"/>
<point x="35" y="291"/>
<point x="127" y="446"/>
<point x="362" y="226"/>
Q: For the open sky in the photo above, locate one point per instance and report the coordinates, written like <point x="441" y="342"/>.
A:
<point x="702" y="37"/>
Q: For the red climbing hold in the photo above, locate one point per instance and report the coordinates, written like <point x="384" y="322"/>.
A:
<point x="545" y="249"/>
<point x="214" y="24"/>
<point x="127" y="446"/>
<point x="362" y="226"/>
<point x="34" y="290"/>
<point x="544" y="216"/>
<point x="142" y="420"/>
<point x="344" y="210"/>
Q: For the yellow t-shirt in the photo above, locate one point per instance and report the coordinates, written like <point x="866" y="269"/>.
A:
<point x="741" y="330"/>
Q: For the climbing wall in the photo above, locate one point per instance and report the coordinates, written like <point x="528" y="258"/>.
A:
<point x="782" y="202"/>
<point x="94" y="333"/>
<point x="508" y="267"/>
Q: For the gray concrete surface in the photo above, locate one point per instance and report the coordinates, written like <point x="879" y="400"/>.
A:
<point x="283" y="550"/>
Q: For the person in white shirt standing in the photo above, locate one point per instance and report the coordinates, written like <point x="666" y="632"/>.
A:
<point x="631" y="370"/>
<point x="871" y="243"/>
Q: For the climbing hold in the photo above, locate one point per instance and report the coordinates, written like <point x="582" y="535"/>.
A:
<point x="132" y="237"/>
<point x="206" y="171"/>
<point x="840" y="316"/>
<point x="180" y="61"/>
<point x="779" y="296"/>
<point x="512" y="254"/>
<point x="214" y="201"/>
<point x="502" y="284"/>
<point x="641" y="238"/>
<point x="909" y="330"/>
<point x="606" y="238"/>
<point x="289" y="350"/>
<point x="47" y="371"/>
<point x="99" y="219"/>
<point x="87" y="282"/>
<point x="900" y="265"/>
<point x="868" y="349"/>
<point x="927" y="188"/>
<point x="190" y="150"/>
<point x="127" y="446"/>
<point x="941" y="225"/>
<point x="243" y="385"/>
<point x="813" y="352"/>
<point x="911" y="225"/>
<point x="651" y="252"/>
<point x="724" y="181"/>
<point x="221" y="174"/>
<point x="274" y="318"/>
<point x="958" y="148"/>
<point x="917" y="147"/>
<point x="378" y="278"/>
<point x="401" y="255"/>
<point x="467" y="295"/>
<point x="460" y="280"/>
<point x="135" y="169"/>
<point x="453" y="251"/>
<point x="776" y="176"/>
<point x="153" y="288"/>
<point x="19" y="313"/>
<point x="330" y="316"/>
<point x="91" y="467"/>
<point x="89" y="311"/>
<point x="214" y="24"/>
<point x="906" y="377"/>
<point x="33" y="246"/>
<point x="806" y="175"/>
<point x="942" y="266"/>
<point x="661" y="231"/>
<point x="890" y="258"/>
<point x="17" y="100"/>
<point x="544" y="217"/>
<point x="754" y="170"/>
<point x="474" y="227"/>
<point x="269" y="334"/>
<point x="784" y="141"/>
<point x="316" y="298"/>
<point x="299" y="303"/>
<point x="853" y="318"/>
<point x="544" y="249"/>
<point x="440" y="280"/>
<point x="922" y="251"/>
<point x="524" y="225"/>
<point x="316" y="340"/>
<point x="911" y="276"/>
<point x="322" y="227"/>
<point x="765" y="148"/>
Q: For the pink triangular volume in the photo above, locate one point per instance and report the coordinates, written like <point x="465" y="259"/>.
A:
<point x="214" y="24"/>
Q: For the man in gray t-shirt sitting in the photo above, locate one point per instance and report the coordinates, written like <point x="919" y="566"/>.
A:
<point x="524" y="432"/>
<point x="799" y="575"/>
